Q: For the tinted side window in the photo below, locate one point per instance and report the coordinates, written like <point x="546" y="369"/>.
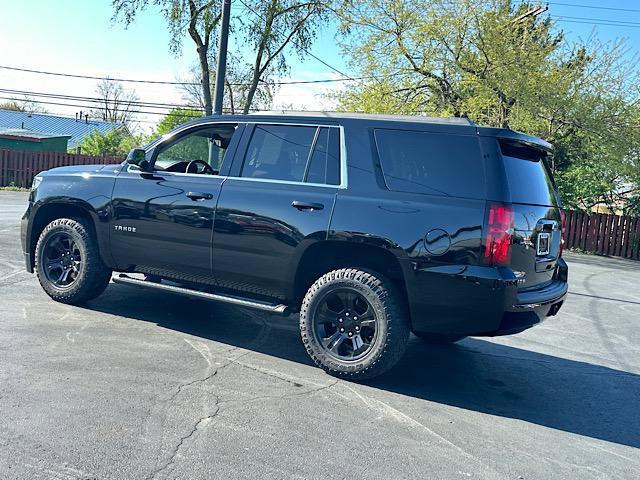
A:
<point x="278" y="152"/>
<point x="528" y="176"/>
<point x="324" y="165"/>
<point x="206" y="144"/>
<point x="437" y="164"/>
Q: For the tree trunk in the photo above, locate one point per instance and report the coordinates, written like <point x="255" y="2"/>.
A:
<point x="231" y="102"/>
<point x="250" y="94"/>
<point x="206" y="80"/>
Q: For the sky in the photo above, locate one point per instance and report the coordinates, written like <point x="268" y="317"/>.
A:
<point x="79" y="37"/>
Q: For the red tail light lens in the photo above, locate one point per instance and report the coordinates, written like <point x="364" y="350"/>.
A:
<point x="563" y="217"/>
<point x="499" y="233"/>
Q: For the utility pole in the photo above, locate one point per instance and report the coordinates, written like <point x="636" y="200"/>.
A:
<point x="534" y="12"/>
<point x="222" y="57"/>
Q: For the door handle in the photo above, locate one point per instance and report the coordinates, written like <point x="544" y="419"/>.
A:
<point x="307" y="205"/>
<point x="199" y="196"/>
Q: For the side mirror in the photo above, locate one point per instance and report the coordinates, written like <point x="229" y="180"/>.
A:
<point x="138" y="157"/>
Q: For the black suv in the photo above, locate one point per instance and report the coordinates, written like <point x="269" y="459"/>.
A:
<point x="369" y="226"/>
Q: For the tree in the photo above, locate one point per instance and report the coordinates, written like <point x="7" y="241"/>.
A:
<point x="236" y="88"/>
<point x="116" y="104"/>
<point x="175" y="117"/>
<point x="22" y="105"/>
<point x="199" y="17"/>
<point x="115" y="142"/>
<point x="269" y="27"/>
<point x="473" y="59"/>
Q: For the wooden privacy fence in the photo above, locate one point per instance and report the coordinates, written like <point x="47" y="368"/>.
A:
<point x="598" y="233"/>
<point x="17" y="168"/>
<point x="603" y="234"/>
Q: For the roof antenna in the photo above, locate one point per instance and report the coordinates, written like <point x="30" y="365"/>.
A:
<point x="22" y="127"/>
<point x="76" y="116"/>
<point x="86" y="118"/>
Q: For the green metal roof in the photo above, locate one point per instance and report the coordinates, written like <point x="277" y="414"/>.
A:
<point x="23" y="133"/>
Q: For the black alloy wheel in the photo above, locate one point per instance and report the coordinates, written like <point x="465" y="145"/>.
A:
<point x="61" y="259"/>
<point x="345" y="324"/>
<point x="68" y="262"/>
<point x="354" y="323"/>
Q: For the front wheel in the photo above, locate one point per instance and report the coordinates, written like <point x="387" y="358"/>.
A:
<point x="354" y="324"/>
<point x="68" y="262"/>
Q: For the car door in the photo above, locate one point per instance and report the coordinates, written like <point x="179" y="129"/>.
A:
<point x="162" y="220"/>
<point x="277" y="201"/>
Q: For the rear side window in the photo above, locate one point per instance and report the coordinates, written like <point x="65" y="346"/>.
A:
<point x="436" y="164"/>
<point x="325" y="162"/>
<point x="293" y="153"/>
<point x="527" y="173"/>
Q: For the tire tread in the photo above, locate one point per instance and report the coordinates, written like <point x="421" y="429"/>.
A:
<point x="96" y="274"/>
<point x="394" y="310"/>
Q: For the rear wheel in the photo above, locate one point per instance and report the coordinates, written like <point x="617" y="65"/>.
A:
<point x="438" y="338"/>
<point x="68" y="263"/>
<point x="354" y="324"/>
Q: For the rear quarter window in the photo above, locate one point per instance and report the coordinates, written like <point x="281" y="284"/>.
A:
<point x="529" y="178"/>
<point x="431" y="163"/>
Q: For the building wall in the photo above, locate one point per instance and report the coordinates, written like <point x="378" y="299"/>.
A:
<point x="45" y="145"/>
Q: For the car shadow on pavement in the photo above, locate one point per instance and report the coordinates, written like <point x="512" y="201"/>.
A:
<point x="475" y="374"/>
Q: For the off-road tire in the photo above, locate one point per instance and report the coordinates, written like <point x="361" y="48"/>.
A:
<point x="438" y="338"/>
<point x="93" y="276"/>
<point x="392" y="317"/>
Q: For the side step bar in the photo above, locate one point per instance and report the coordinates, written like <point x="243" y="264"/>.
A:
<point x="242" y="302"/>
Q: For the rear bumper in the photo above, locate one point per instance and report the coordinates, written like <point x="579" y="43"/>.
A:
<point x="532" y="308"/>
<point x="481" y="301"/>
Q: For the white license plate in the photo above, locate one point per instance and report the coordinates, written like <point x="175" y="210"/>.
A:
<point x="544" y="242"/>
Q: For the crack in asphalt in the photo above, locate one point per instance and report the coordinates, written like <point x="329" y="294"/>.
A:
<point x="201" y="423"/>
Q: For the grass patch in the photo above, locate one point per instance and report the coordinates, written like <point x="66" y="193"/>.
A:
<point x="12" y="188"/>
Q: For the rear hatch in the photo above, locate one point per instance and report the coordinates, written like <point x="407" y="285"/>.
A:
<point x="537" y="216"/>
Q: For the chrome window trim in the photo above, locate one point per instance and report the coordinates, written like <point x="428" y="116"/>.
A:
<point x="163" y="172"/>
<point x="284" y="182"/>
<point x="343" y="152"/>
<point x="343" y="158"/>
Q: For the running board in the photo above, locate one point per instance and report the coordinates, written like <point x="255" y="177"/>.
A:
<point x="242" y="302"/>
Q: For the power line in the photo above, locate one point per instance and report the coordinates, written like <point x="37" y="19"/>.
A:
<point x="90" y="106"/>
<point x="595" y="7"/>
<point x="600" y="23"/>
<point x="75" y="105"/>
<point x="306" y="50"/>
<point x="61" y="96"/>
<point x="345" y="78"/>
<point x="587" y="19"/>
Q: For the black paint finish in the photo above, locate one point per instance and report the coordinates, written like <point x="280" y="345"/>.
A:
<point x="249" y="237"/>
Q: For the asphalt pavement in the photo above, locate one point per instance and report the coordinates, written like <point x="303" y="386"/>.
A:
<point x="145" y="385"/>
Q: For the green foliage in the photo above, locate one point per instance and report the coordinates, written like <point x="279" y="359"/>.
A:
<point x="269" y="27"/>
<point x="116" y="142"/>
<point x="176" y="117"/>
<point x="475" y="59"/>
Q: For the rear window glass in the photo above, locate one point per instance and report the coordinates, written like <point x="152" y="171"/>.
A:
<point x="436" y="164"/>
<point x="527" y="173"/>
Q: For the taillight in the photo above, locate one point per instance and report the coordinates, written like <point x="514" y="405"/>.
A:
<point x="499" y="233"/>
<point x="563" y="220"/>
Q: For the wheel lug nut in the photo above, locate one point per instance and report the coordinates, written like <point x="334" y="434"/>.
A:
<point x="351" y="334"/>
<point x="340" y="320"/>
<point x="341" y="330"/>
<point x="347" y="314"/>
<point x="357" y="328"/>
<point x="355" y="318"/>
